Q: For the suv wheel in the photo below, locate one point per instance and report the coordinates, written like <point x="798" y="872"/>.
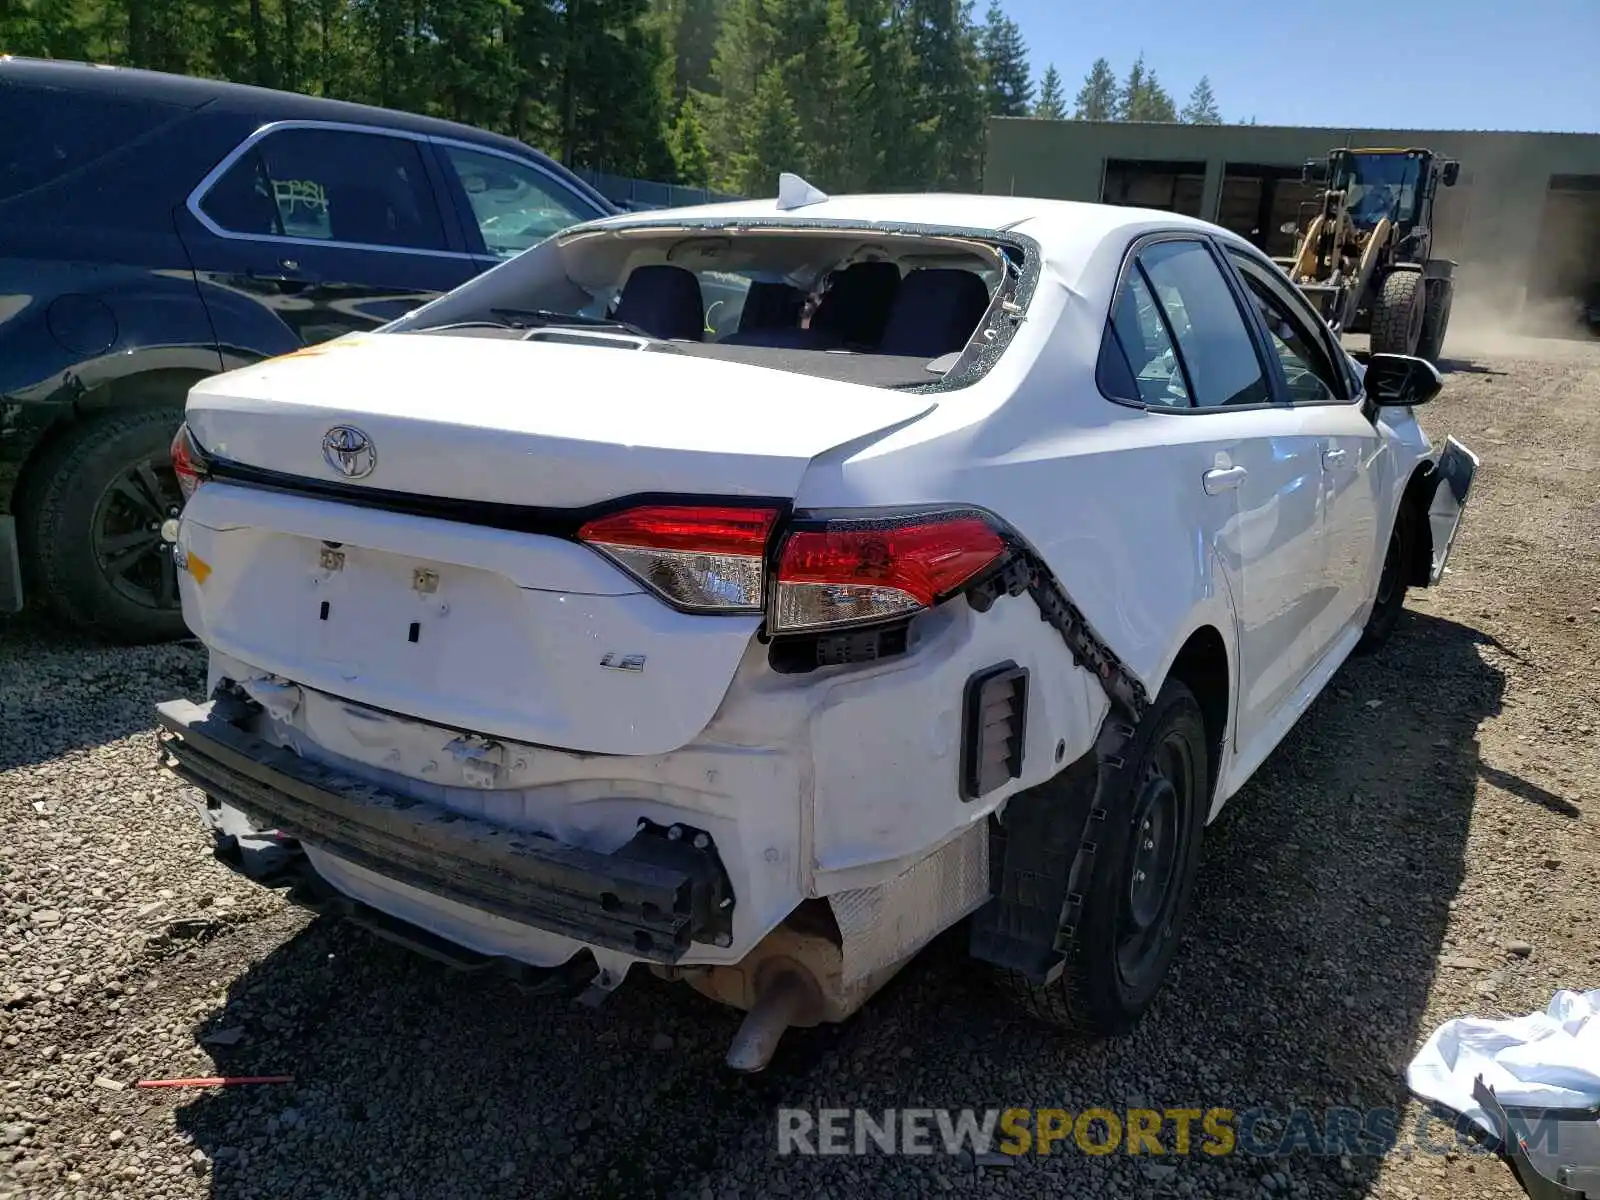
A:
<point x="1142" y="880"/>
<point x="91" y="532"/>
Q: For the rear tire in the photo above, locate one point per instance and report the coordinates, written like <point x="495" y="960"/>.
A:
<point x="1439" y="295"/>
<point x="1397" y="314"/>
<point x="90" y="533"/>
<point x="1142" y="881"/>
<point x="1394" y="582"/>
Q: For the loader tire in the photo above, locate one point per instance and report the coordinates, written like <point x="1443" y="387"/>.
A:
<point x="1440" y="294"/>
<point x="1397" y="314"/>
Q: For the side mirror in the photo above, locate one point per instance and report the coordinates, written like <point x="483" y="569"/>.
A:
<point x="1401" y="381"/>
<point x="1315" y="171"/>
<point x="1451" y="173"/>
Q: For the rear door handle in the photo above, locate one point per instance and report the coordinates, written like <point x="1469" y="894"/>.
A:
<point x="1223" y="479"/>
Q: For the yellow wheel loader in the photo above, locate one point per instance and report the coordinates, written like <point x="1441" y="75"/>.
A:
<point x="1365" y="258"/>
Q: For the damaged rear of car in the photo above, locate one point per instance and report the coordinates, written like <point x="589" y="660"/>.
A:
<point x="745" y="595"/>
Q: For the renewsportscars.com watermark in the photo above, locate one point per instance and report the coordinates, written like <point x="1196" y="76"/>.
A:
<point x="1210" y="1132"/>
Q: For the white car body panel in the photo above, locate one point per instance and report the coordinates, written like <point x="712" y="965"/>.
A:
<point x="812" y="785"/>
<point x="511" y="431"/>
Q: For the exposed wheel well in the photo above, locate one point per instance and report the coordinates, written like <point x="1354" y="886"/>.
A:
<point x="150" y="389"/>
<point x="1418" y="497"/>
<point x="1202" y="665"/>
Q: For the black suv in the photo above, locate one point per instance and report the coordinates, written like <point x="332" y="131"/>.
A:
<point x="156" y="229"/>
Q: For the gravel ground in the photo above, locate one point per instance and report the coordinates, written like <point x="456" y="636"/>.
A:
<point x="1423" y="846"/>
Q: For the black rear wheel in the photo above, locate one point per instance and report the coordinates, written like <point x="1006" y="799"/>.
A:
<point x="1141" y="883"/>
<point x="1393" y="582"/>
<point x="91" y="531"/>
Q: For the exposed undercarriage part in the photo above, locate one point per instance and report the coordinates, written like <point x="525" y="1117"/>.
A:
<point x="1554" y="1152"/>
<point x="666" y="888"/>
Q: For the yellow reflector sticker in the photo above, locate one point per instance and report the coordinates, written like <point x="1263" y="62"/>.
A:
<point x="198" y="567"/>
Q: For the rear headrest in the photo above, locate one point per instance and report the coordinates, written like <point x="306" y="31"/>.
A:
<point x="935" y="313"/>
<point x="664" y="301"/>
<point x="771" y="306"/>
<point x="856" y="304"/>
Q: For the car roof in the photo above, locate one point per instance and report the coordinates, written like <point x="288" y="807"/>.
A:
<point x="267" y="103"/>
<point x="1065" y="229"/>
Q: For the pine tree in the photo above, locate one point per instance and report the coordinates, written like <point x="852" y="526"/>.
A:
<point x="815" y="48"/>
<point x="689" y="32"/>
<point x="1099" y="97"/>
<point x="1202" y="107"/>
<point x="687" y="142"/>
<point x="1007" y="85"/>
<point x="889" y="156"/>
<point x="774" y="143"/>
<point x="1051" y="105"/>
<point x="1143" y="97"/>
<point x="832" y="83"/>
<point x="946" y="96"/>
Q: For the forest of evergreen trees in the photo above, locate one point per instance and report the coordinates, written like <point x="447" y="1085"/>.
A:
<point x="855" y="94"/>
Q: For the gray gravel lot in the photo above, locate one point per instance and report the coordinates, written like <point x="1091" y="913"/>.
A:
<point x="1426" y="844"/>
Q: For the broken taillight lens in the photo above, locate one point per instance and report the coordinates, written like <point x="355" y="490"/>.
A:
<point x="700" y="558"/>
<point x="857" y="571"/>
<point x="188" y="462"/>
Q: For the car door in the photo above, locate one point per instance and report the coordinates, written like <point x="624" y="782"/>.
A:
<point x="1354" y="458"/>
<point x="1196" y="361"/>
<point x="507" y="204"/>
<point x="321" y="230"/>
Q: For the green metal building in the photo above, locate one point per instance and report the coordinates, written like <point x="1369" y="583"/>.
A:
<point x="1523" y="222"/>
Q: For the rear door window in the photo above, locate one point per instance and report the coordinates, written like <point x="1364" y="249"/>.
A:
<point x="47" y="133"/>
<point x="1141" y="332"/>
<point x="1219" y="355"/>
<point x="331" y="185"/>
<point x="514" y="204"/>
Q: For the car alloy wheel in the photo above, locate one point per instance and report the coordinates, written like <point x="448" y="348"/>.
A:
<point x="127" y="538"/>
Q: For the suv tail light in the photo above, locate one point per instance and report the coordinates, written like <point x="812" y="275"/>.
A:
<point x="188" y="462"/>
<point x="704" y="559"/>
<point x="857" y="571"/>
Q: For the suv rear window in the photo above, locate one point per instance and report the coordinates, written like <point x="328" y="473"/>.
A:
<point x="48" y="133"/>
<point x="329" y="185"/>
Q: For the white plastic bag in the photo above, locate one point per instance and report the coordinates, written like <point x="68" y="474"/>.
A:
<point x="1550" y="1059"/>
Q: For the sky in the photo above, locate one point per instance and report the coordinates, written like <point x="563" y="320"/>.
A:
<point x="1441" y="64"/>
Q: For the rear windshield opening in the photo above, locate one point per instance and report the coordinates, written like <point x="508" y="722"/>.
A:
<point x="889" y="310"/>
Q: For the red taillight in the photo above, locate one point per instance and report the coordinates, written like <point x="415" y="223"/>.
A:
<point x="856" y="571"/>
<point x="704" y="558"/>
<point x="188" y="463"/>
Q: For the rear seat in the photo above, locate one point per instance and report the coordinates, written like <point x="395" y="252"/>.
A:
<point x="665" y="302"/>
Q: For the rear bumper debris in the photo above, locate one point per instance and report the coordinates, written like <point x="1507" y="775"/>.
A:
<point x="653" y="897"/>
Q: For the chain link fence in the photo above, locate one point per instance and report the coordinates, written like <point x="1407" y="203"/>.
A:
<point x="645" y="193"/>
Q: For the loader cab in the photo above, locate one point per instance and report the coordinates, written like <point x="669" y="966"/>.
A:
<point x="1378" y="183"/>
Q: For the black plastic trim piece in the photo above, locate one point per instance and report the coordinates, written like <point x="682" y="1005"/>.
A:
<point x="1042" y="848"/>
<point x="10" y="567"/>
<point x="980" y="772"/>
<point x="514" y="518"/>
<point x="663" y="890"/>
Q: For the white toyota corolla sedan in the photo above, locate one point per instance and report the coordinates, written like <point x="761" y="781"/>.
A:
<point x="752" y="592"/>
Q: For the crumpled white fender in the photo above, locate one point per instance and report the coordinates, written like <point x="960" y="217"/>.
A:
<point x="1549" y="1059"/>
